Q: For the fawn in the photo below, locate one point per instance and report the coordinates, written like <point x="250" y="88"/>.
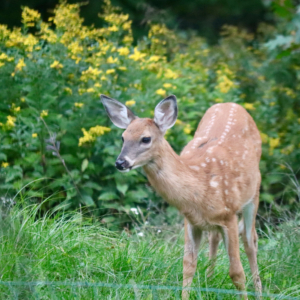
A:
<point x="215" y="177"/>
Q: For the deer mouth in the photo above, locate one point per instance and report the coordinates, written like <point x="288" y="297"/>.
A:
<point x="125" y="170"/>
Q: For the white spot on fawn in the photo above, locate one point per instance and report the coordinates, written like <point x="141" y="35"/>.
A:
<point x="213" y="183"/>
<point x="196" y="168"/>
<point x="226" y="192"/>
<point x="203" y="165"/>
<point x="209" y="150"/>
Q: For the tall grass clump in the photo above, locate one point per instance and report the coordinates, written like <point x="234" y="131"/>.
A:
<point x="66" y="249"/>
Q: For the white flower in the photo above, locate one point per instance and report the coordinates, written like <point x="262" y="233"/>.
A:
<point x="158" y="231"/>
<point x="140" y="234"/>
<point x="134" y="210"/>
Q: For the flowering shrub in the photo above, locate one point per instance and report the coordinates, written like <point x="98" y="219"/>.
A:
<point x="56" y="140"/>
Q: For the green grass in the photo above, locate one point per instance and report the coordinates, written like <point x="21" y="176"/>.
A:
<point x="68" y="248"/>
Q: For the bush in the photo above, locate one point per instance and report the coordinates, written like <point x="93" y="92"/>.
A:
<point x="57" y="142"/>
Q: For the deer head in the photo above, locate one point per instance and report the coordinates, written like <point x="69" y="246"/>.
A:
<point x="142" y="135"/>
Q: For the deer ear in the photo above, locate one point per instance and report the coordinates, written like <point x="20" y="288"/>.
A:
<point x="119" y="113"/>
<point x="165" y="113"/>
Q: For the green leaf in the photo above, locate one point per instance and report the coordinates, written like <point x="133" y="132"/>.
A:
<point x="108" y="196"/>
<point x="108" y="219"/>
<point x="92" y="185"/>
<point x="122" y="188"/>
<point x="84" y="165"/>
<point x="267" y="197"/>
<point x="87" y="200"/>
<point x="3" y="156"/>
<point x="13" y="173"/>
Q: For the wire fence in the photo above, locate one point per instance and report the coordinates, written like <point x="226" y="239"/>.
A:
<point x="102" y="290"/>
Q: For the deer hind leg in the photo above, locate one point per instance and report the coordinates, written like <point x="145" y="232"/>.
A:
<point x="249" y="237"/>
<point x="191" y="246"/>
<point x="236" y="271"/>
<point x="214" y="240"/>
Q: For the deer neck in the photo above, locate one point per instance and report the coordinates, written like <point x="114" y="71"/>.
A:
<point x="172" y="178"/>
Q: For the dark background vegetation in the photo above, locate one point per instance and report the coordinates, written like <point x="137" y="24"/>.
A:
<point x="204" y="16"/>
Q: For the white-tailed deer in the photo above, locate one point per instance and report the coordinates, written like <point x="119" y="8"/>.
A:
<point x="215" y="177"/>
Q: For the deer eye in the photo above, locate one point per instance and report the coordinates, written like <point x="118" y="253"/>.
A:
<point x="146" y="140"/>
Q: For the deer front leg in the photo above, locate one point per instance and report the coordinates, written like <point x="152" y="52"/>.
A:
<point x="192" y="237"/>
<point x="236" y="271"/>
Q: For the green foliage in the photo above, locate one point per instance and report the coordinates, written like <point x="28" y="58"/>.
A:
<point x="72" y="249"/>
<point x="56" y="140"/>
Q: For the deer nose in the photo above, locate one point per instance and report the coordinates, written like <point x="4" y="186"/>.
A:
<point x="121" y="164"/>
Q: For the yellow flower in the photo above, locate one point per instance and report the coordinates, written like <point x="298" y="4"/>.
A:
<point x="154" y="58"/>
<point x="225" y="84"/>
<point x="90" y="73"/>
<point x="127" y="25"/>
<point x="128" y="39"/>
<point x="56" y="65"/>
<point x="112" y="60"/>
<point x="34" y="135"/>
<point x="122" y="68"/>
<point x="16" y="109"/>
<point x="274" y="142"/>
<point x="20" y="65"/>
<point x="90" y="90"/>
<point x="219" y="100"/>
<point x="48" y="34"/>
<point x="187" y="129"/>
<point x="29" y="16"/>
<point x="10" y="121"/>
<point x="97" y="84"/>
<point x="272" y="103"/>
<point x="137" y="55"/>
<point x="264" y="137"/>
<point x="1" y="64"/>
<point x="113" y="28"/>
<point x="3" y="56"/>
<point x="68" y="90"/>
<point x="4" y="164"/>
<point x="81" y="91"/>
<point x="90" y="136"/>
<point x="130" y="103"/>
<point x="123" y="51"/>
<point x="78" y="104"/>
<point x="44" y="113"/>
<point x="170" y="74"/>
<point x="161" y="92"/>
<point x="99" y="130"/>
<point x="249" y="106"/>
<point x="110" y="71"/>
<point x="30" y="41"/>
<point x="167" y="85"/>
<point x="178" y="122"/>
